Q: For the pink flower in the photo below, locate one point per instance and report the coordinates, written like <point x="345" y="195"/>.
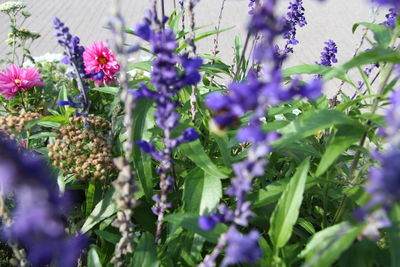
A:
<point x="99" y="59"/>
<point x="15" y="79"/>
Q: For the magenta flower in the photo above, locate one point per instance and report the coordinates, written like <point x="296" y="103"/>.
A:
<point x="16" y="79"/>
<point x="100" y="63"/>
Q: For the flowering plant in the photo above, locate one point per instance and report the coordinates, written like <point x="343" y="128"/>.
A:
<point x="183" y="159"/>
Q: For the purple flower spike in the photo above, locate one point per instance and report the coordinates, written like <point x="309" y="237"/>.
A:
<point x="328" y="55"/>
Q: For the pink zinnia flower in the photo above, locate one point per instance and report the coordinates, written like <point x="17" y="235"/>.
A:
<point x="16" y="79"/>
<point x="99" y="59"/>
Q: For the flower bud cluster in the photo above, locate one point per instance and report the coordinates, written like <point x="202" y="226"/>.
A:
<point x="83" y="151"/>
<point x="16" y="123"/>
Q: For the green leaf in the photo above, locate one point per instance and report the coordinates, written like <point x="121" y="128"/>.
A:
<point x="375" y="55"/>
<point x="195" y="152"/>
<point x="314" y="69"/>
<point x="189" y="222"/>
<point x="343" y="139"/>
<point x="142" y="65"/>
<point x="43" y="135"/>
<point x="202" y="192"/>
<point x="145" y="253"/>
<point x="394" y="236"/>
<point x="222" y="142"/>
<point x="107" y="90"/>
<point x="205" y="35"/>
<point x="326" y="246"/>
<point x="110" y="237"/>
<point x="104" y="209"/>
<point x="382" y="34"/>
<point x="143" y="122"/>
<point x="272" y="192"/>
<point x="90" y="194"/>
<point x="310" y="123"/>
<point x="93" y="259"/>
<point x="287" y="210"/>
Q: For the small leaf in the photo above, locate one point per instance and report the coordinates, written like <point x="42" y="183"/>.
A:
<point x="287" y="210"/>
<point x="195" y="152"/>
<point x="343" y="139"/>
<point x="107" y="90"/>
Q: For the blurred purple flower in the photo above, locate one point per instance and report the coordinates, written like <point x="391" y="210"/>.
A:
<point x="38" y="216"/>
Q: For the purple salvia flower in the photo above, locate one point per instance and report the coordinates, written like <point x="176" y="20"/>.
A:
<point x="168" y="81"/>
<point x="328" y="54"/>
<point x="295" y="17"/>
<point x="74" y="57"/>
<point x="38" y="217"/>
<point x="391" y="18"/>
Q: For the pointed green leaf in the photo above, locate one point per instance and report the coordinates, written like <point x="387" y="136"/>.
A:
<point x="202" y="192"/>
<point x="343" y="139"/>
<point x="326" y="246"/>
<point x="195" y="152"/>
<point x="287" y="210"/>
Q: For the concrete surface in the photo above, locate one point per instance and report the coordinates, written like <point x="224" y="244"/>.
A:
<point x="332" y="19"/>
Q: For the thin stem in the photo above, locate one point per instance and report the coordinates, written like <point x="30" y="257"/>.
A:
<point x="238" y="66"/>
<point x="357" y="156"/>
<point x="162" y="14"/>
<point x="210" y="259"/>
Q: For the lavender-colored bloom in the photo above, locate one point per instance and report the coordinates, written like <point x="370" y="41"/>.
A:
<point x="391" y="18"/>
<point x="242" y="248"/>
<point x="295" y="17"/>
<point x="38" y="216"/>
<point x="74" y="57"/>
<point x="168" y="81"/>
<point x="328" y="55"/>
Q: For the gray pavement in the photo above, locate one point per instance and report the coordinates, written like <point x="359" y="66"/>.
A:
<point x="86" y="18"/>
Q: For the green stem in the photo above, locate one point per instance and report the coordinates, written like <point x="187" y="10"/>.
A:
<point x="353" y="180"/>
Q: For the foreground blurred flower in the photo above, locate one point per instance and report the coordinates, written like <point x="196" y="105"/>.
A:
<point x="38" y="217"/>
<point x="395" y="3"/>
<point x="99" y="60"/>
<point x="16" y="79"/>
